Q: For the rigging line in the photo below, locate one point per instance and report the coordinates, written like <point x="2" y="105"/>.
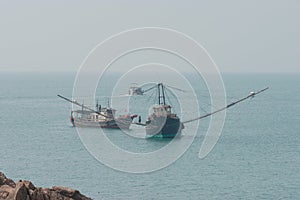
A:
<point x="155" y="97"/>
<point x="170" y="91"/>
<point x="207" y="104"/>
<point x="203" y="109"/>
<point x="169" y="98"/>
<point x="151" y="96"/>
<point x="149" y="89"/>
<point x="176" y="97"/>
<point x="207" y="98"/>
<point x="251" y="95"/>
<point x="181" y="90"/>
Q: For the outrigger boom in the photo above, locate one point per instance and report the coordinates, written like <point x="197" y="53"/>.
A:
<point x="81" y="105"/>
<point x="251" y="95"/>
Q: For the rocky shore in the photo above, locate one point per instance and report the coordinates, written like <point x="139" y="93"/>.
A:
<point x="25" y="190"/>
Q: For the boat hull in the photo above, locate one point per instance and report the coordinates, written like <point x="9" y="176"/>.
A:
<point x="161" y="127"/>
<point x="113" y="124"/>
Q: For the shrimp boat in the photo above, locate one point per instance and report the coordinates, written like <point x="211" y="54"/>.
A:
<point x="103" y="117"/>
<point x="162" y="123"/>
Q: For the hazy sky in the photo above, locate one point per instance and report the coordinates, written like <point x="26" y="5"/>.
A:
<point x="240" y="35"/>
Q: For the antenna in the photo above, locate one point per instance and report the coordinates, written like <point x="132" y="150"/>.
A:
<point x="97" y="105"/>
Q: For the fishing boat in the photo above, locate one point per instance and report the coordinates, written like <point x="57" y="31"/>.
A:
<point x="103" y="117"/>
<point x="162" y="123"/>
<point x="134" y="89"/>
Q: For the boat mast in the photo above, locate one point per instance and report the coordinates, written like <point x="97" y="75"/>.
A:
<point x="161" y="94"/>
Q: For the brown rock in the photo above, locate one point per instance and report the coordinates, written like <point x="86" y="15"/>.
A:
<point x="7" y="192"/>
<point x="37" y="194"/>
<point x="6" y="181"/>
<point x="71" y="193"/>
<point x="4" y="194"/>
<point x="21" y="191"/>
<point x="29" y="185"/>
<point x="25" y="190"/>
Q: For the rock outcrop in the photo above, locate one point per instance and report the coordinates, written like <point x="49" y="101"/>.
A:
<point x="25" y="190"/>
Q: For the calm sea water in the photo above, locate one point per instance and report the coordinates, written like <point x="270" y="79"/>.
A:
<point x="257" y="156"/>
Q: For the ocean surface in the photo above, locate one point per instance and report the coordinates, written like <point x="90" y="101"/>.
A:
<point x="256" y="157"/>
